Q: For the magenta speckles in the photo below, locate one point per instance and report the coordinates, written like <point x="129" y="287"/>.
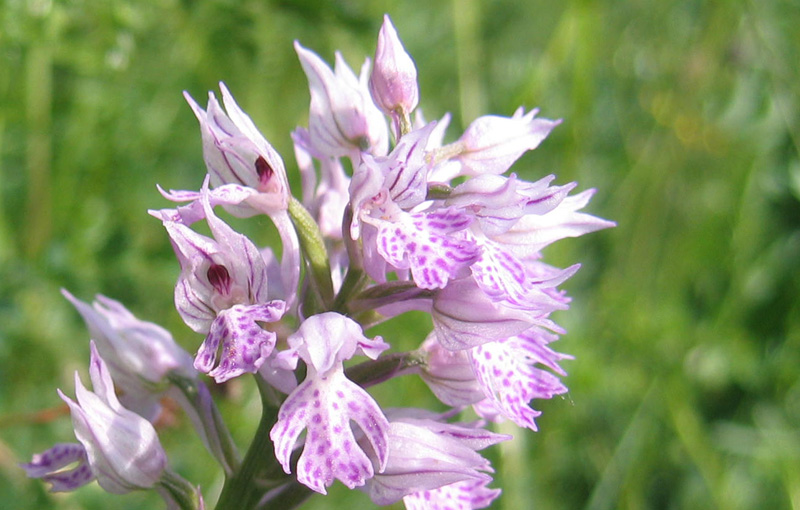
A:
<point x="407" y="243"/>
<point x="245" y="345"/>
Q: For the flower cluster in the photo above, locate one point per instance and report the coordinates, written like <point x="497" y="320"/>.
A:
<point x="391" y="219"/>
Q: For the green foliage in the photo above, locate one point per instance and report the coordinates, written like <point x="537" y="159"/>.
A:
<point x="684" y="115"/>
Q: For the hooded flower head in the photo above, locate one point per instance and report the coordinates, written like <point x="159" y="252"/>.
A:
<point x="132" y="348"/>
<point x="343" y="120"/>
<point x="235" y="152"/>
<point x="122" y="448"/>
<point x="426" y="455"/>
<point x="222" y="291"/>
<point x="393" y="82"/>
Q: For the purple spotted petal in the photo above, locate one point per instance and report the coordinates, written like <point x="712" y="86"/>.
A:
<point x="49" y="466"/>
<point x="245" y="344"/>
<point x="324" y="406"/>
<point x="510" y="380"/>
<point x="505" y="278"/>
<point x="424" y="242"/>
<point x="466" y="495"/>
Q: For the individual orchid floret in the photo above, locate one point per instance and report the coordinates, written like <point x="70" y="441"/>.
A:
<point x="505" y="370"/>
<point x="232" y="196"/>
<point x="425" y="455"/>
<point x="466" y="495"/>
<point x="64" y="466"/>
<point x="132" y="348"/>
<point x="499" y="202"/>
<point x="326" y="402"/>
<point x="343" y="120"/>
<point x="524" y="284"/>
<point x="235" y="152"/>
<point x="535" y="231"/>
<point x="222" y="291"/>
<point x="122" y="447"/>
<point x="428" y="244"/>
<point x="491" y="144"/>
<point x="238" y="156"/>
<point x="393" y="82"/>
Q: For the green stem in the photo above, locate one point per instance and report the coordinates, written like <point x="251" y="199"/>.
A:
<point x="175" y="489"/>
<point x="386" y="294"/>
<point x="370" y="373"/>
<point x="290" y="496"/>
<point x="405" y="123"/>
<point x="260" y="471"/>
<point x="207" y="419"/>
<point x="354" y="282"/>
<point x="438" y="191"/>
<point x="316" y="254"/>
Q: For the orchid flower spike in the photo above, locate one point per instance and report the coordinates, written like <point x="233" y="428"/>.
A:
<point x="122" y="448"/>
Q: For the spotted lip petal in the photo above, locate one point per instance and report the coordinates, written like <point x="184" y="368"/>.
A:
<point x="505" y="369"/>
<point x="49" y="467"/>
<point x="245" y="344"/>
<point x="324" y="407"/>
<point x="466" y="495"/>
<point x="326" y="402"/>
<point x="428" y="245"/>
<point x="506" y="279"/>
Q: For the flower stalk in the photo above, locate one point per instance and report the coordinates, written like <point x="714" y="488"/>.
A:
<point x="316" y="255"/>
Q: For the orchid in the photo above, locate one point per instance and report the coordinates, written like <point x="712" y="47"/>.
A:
<point x="382" y="227"/>
<point x="122" y="448"/>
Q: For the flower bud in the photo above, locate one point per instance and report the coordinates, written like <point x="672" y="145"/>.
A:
<point x="122" y="447"/>
<point x="393" y="82"/>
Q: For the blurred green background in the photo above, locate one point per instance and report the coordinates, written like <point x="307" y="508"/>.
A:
<point x="684" y="115"/>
